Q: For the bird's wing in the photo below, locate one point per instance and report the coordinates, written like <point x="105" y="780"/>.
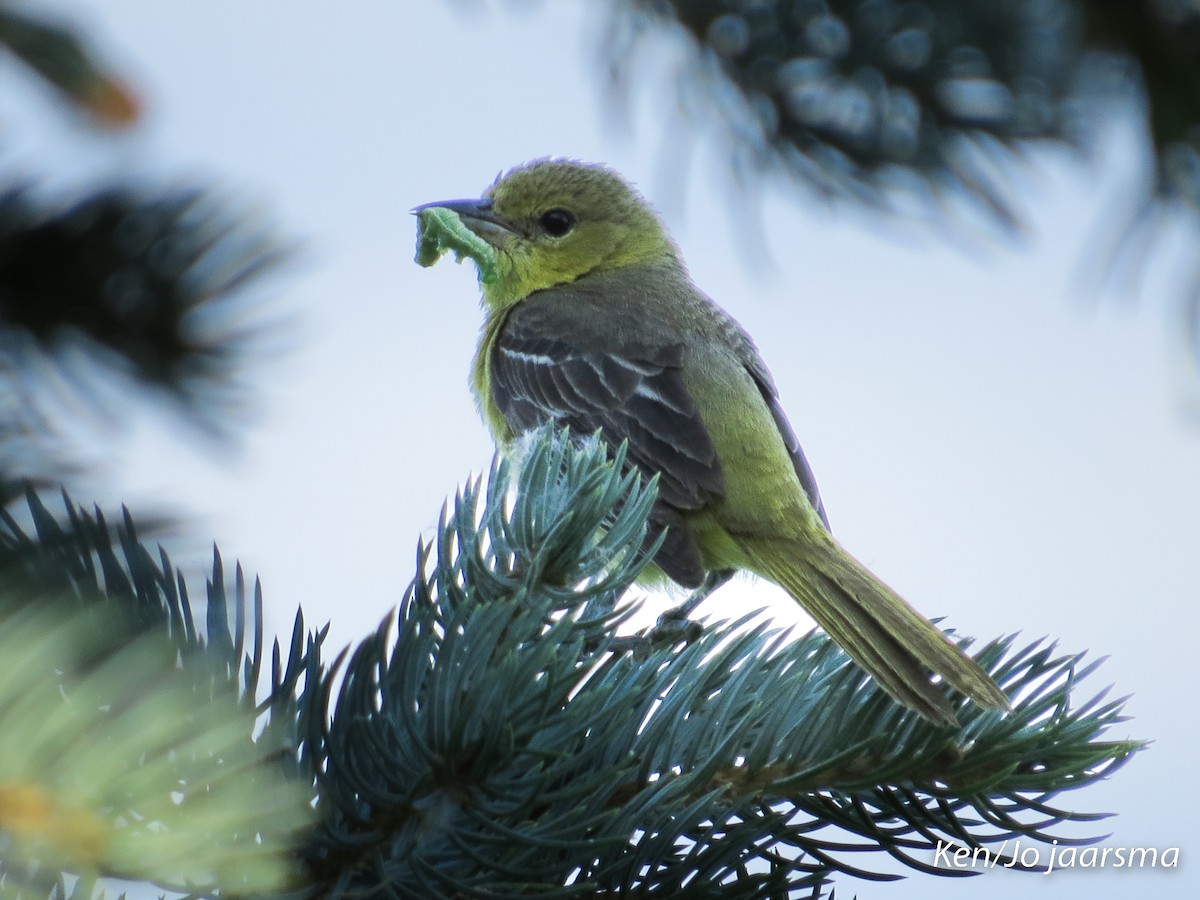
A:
<point x="545" y="368"/>
<point x="804" y="471"/>
<point x="770" y="394"/>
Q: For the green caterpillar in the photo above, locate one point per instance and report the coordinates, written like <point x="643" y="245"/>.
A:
<point x="440" y="229"/>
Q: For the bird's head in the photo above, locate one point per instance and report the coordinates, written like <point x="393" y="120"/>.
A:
<point x="554" y="221"/>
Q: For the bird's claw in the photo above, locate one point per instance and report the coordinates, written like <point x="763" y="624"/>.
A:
<point x="669" y="630"/>
<point x="674" y="625"/>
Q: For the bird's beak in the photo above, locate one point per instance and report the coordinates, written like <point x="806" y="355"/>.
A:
<point x="477" y="215"/>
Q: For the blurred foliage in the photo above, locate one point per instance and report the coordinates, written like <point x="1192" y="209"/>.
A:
<point x="911" y="105"/>
<point x="149" y="282"/>
<point x="168" y="785"/>
<point x="133" y="745"/>
<point x="52" y="50"/>
<point x="851" y="95"/>
<point x="1162" y="38"/>
<point x="145" y="278"/>
<point x="146" y="284"/>
<point x="131" y="742"/>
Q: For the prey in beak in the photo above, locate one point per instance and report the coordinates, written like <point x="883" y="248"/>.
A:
<point x="478" y="215"/>
<point x="469" y="229"/>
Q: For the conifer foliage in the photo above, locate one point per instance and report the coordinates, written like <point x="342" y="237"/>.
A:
<point x="493" y="740"/>
<point x="860" y="97"/>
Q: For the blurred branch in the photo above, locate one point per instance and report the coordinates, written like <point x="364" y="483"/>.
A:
<point x="1162" y="37"/>
<point x="906" y="107"/>
<point x="846" y="94"/>
<point x="153" y="285"/>
<point x="101" y="774"/>
<point x="132" y="742"/>
<point x="60" y="57"/>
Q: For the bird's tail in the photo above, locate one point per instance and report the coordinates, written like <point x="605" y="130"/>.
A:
<point x="898" y="646"/>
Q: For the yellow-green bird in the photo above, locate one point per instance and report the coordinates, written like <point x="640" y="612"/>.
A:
<point x="592" y="322"/>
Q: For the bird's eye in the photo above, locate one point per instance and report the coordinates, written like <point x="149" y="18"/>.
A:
<point x="557" y="222"/>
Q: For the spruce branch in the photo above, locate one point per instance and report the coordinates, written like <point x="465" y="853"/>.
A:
<point x="110" y="767"/>
<point x="130" y="748"/>
<point x="150" y="284"/>
<point x="491" y="743"/>
<point x="490" y="740"/>
<point x="80" y="564"/>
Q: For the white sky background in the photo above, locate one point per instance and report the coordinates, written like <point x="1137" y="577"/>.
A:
<point x="1000" y="451"/>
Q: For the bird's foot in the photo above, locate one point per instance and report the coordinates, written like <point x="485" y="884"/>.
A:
<point x="674" y="625"/>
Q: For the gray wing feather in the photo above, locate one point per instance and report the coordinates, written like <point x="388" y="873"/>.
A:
<point x="636" y="396"/>
<point x="766" y="386"/>
<point x="804" y="471"/>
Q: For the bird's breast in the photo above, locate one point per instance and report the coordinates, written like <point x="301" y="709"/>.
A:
<point x="481" y="378"/>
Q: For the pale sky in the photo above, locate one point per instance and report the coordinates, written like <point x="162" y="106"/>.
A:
<point x="1001" y="446"/>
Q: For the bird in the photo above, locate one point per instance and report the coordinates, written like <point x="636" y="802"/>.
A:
<point x="592" y="323"/>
